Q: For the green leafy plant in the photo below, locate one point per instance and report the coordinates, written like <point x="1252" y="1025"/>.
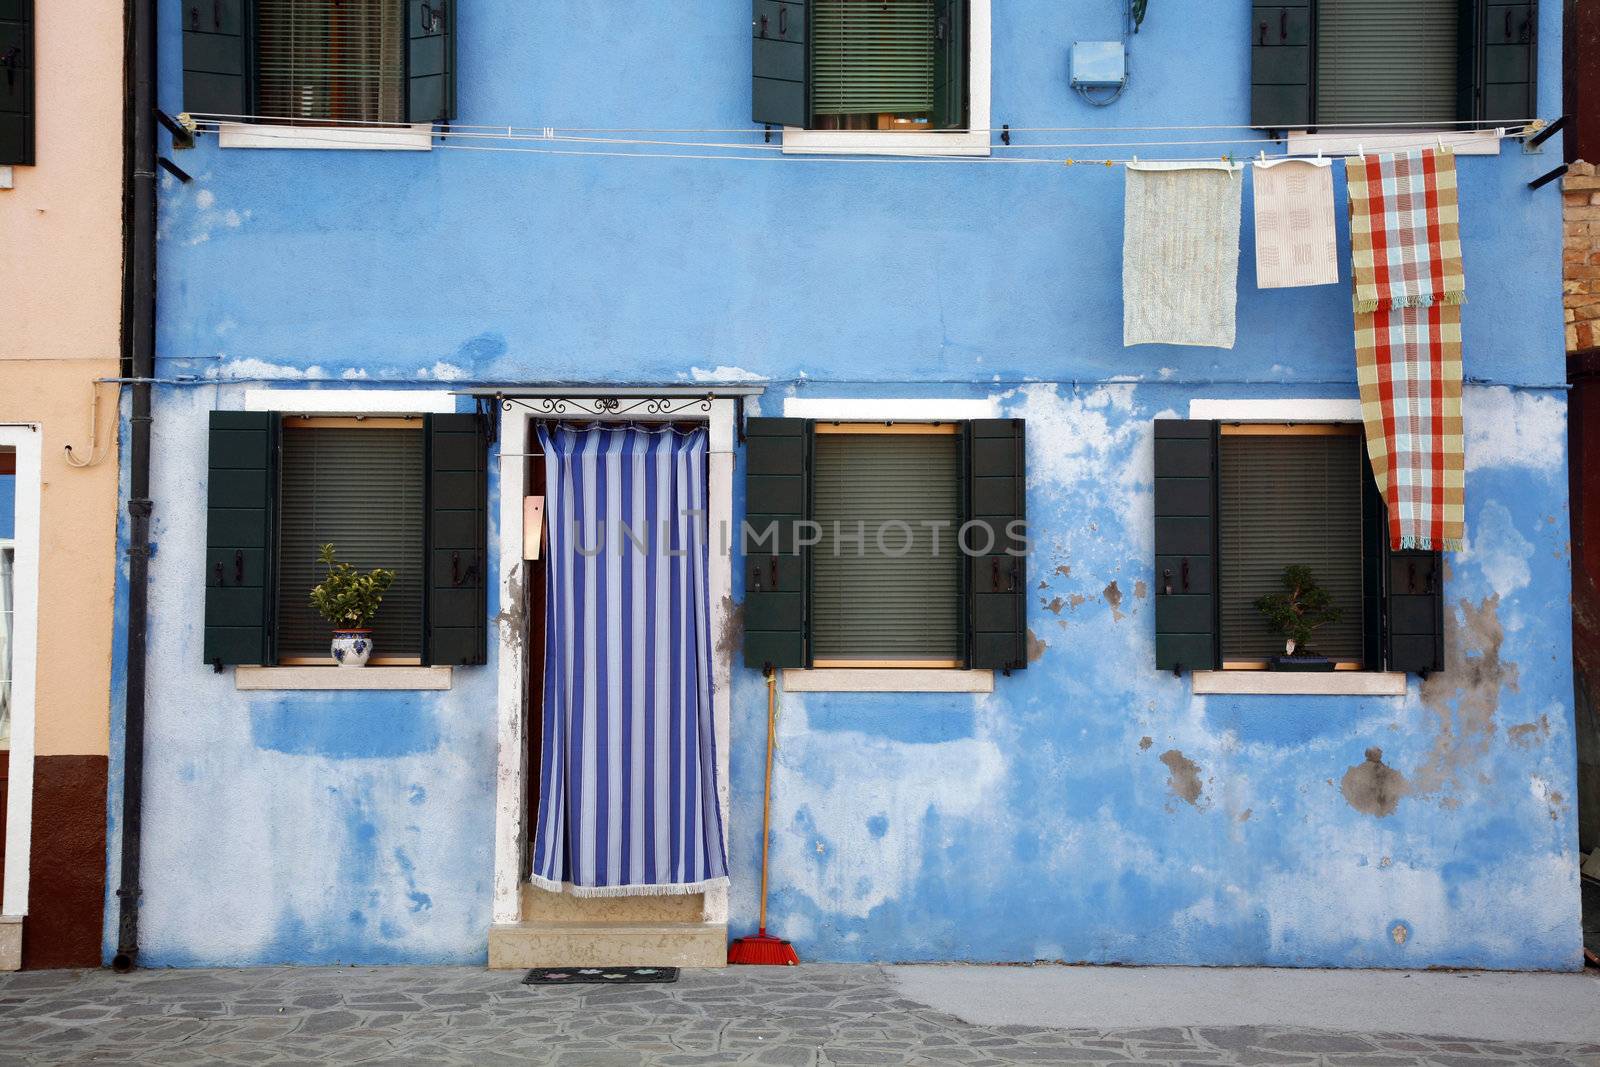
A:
<point x="347" y="598"/>
<point x="1300" y="609"/>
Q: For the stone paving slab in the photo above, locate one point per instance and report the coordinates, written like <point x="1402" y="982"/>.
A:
<point x="808" y="1016"/>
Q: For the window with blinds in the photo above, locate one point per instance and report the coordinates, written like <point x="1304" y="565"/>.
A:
<point x="872" y="62"/>
<point x="331" y="60"/>
<point x="1386" y="61"/>
<point x="903" y="604"/>
<point x="362" y="490"/>
<point x="1289" y="499"/>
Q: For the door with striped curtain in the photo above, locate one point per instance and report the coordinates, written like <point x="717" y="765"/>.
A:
<point x="627" y="797"/>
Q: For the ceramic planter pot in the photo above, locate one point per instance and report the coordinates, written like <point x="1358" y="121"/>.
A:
<point x="352" y="648"/>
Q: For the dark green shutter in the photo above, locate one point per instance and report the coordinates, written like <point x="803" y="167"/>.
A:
<point x="16" y="82"/>
<point x="239" y="537"/>
<point x="216" y="56"/>
<point x="1280" y="65"/>
<point x="777" y="495"/>
<point x="1185" y="543"/>
<point x="458" y="552"/>
<point x="1404" y="608"/>
<point x="950" y="65"/>
<point x="997" y="502"/>
<point x="780" y="91"/>
<point x="1510" y="36"/>
<point x="431" y="61"/>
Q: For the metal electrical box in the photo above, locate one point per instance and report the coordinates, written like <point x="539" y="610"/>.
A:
<point x="1098" y="65"/>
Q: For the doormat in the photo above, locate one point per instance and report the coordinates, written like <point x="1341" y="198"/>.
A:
<point x="600" y="975"/>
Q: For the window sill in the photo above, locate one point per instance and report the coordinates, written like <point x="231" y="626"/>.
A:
<point x="1352" y="142"/>
<point x="871" y="143"/>
<point x="345" y="678"/>
<point x="417" y="137"/>
<point x="1296" y="683"/>
<point x="886" y="680"/>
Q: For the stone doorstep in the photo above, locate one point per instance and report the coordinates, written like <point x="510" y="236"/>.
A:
<point x="543" y="906"/>
<point x="10" y="942"/>
<point x="571" y="944"/>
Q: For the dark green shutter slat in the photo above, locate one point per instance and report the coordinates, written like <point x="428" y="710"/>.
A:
<point x="871" y="58"/>
<point x="950" y="65"/>
<point x="17" y="83"/>
<point x="431" y="60"/>
<point x="777" y="495"/>
<point x="457" y="539"/>
<point x="898" y="599"/>
<point x="780" y="90"/>
<point x="362" y="491"/>
<point x="216" y="56"/>
<point x="240" y="483"/>
<point x="1280" y="65"/>
<point x="998" y="580"/>
<point x="1185" y="540"/>
<point x="1510" y="45"/>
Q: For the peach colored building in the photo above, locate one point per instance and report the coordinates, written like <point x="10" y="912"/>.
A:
<point x="61" y="199"/>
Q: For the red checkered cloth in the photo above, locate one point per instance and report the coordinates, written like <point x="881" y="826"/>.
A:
<point x="1405" y="258"/>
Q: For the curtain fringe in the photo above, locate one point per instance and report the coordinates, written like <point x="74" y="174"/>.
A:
<point x="670" y="889"/>
<point x="1428" y="544"/>
<point x="1456" y="297"/>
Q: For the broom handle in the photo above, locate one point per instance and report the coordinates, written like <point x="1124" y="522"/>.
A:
<point x="766" y="802"/>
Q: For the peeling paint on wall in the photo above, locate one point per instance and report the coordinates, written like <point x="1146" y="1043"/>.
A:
<point x="1372" y="786"/>
<point x="1185" y="780"/>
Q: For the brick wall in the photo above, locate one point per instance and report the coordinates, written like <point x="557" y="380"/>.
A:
<point x="1581" y="257"/>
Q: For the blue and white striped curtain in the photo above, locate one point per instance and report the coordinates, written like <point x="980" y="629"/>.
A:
<point x="627" y="785"/>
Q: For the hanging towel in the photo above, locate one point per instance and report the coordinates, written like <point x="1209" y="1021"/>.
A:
<point x="1294" y="223"/>
<point x="1180" y="253"/>
<point x="1405" y="230"/>
<point x="1406" y="270"/>
<point x="627" y="786"/>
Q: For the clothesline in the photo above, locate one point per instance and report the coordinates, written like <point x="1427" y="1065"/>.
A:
<point x="775" y="152"/>
<point x="758" y="131"/>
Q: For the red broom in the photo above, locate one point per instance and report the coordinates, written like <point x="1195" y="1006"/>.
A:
<point x="761" y="949"/>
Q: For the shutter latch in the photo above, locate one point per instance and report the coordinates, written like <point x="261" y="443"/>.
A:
<point x="11" y="58"/>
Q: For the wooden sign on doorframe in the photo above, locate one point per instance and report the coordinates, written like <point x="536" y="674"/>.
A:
<point x="532" y="526"/>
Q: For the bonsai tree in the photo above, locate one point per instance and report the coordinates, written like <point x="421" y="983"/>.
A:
<point x="347" y="598"/>
<point x="1299" y="609"/>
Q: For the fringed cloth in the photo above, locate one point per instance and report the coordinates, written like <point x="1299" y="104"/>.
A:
<point x="1405" y="258"/>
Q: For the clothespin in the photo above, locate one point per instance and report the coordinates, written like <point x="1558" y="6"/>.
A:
<point x="1263" y="155"/>
<point x="1111" y="163"/>
<point x="1068" y="162"/>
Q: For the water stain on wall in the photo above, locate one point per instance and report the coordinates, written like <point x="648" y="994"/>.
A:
<point x="1185" y="780"/>
<point x="1145" y="742"/>
<point x="1529" y="734"/>
<point x="1466" y="694"/>
<point x="1055" y="606"/>
<point x="1372" y="786"/>
<point x="730" y="641"/>
<point x="1036" y="647"/>
<point x="512" y="620"/>
<point x="1113" y="597"/>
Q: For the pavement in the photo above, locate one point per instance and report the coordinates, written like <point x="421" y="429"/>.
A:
<point x="803" y="1016"/>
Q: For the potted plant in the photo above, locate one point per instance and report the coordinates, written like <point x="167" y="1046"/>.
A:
<point x="349" y="600"/>
<point x="1296" y="613"/>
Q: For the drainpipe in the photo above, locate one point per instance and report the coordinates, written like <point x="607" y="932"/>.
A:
<point x="138" y="342"/>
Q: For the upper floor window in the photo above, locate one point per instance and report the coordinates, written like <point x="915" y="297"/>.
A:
<point x="320" y="62"/>
<point x="1378" y="62"/>
<point x="852" y="75"/>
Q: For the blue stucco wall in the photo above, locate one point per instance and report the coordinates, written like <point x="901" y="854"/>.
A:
<point x="1091" y="808"/>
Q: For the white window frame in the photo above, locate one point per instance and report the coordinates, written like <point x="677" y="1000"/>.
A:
<point x="1289" y="683"/>
<point x="25" y="442"/>
<point x="973" y="141"/>
<point x="1356" y="142"/>
<point x="416" y="137"/>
